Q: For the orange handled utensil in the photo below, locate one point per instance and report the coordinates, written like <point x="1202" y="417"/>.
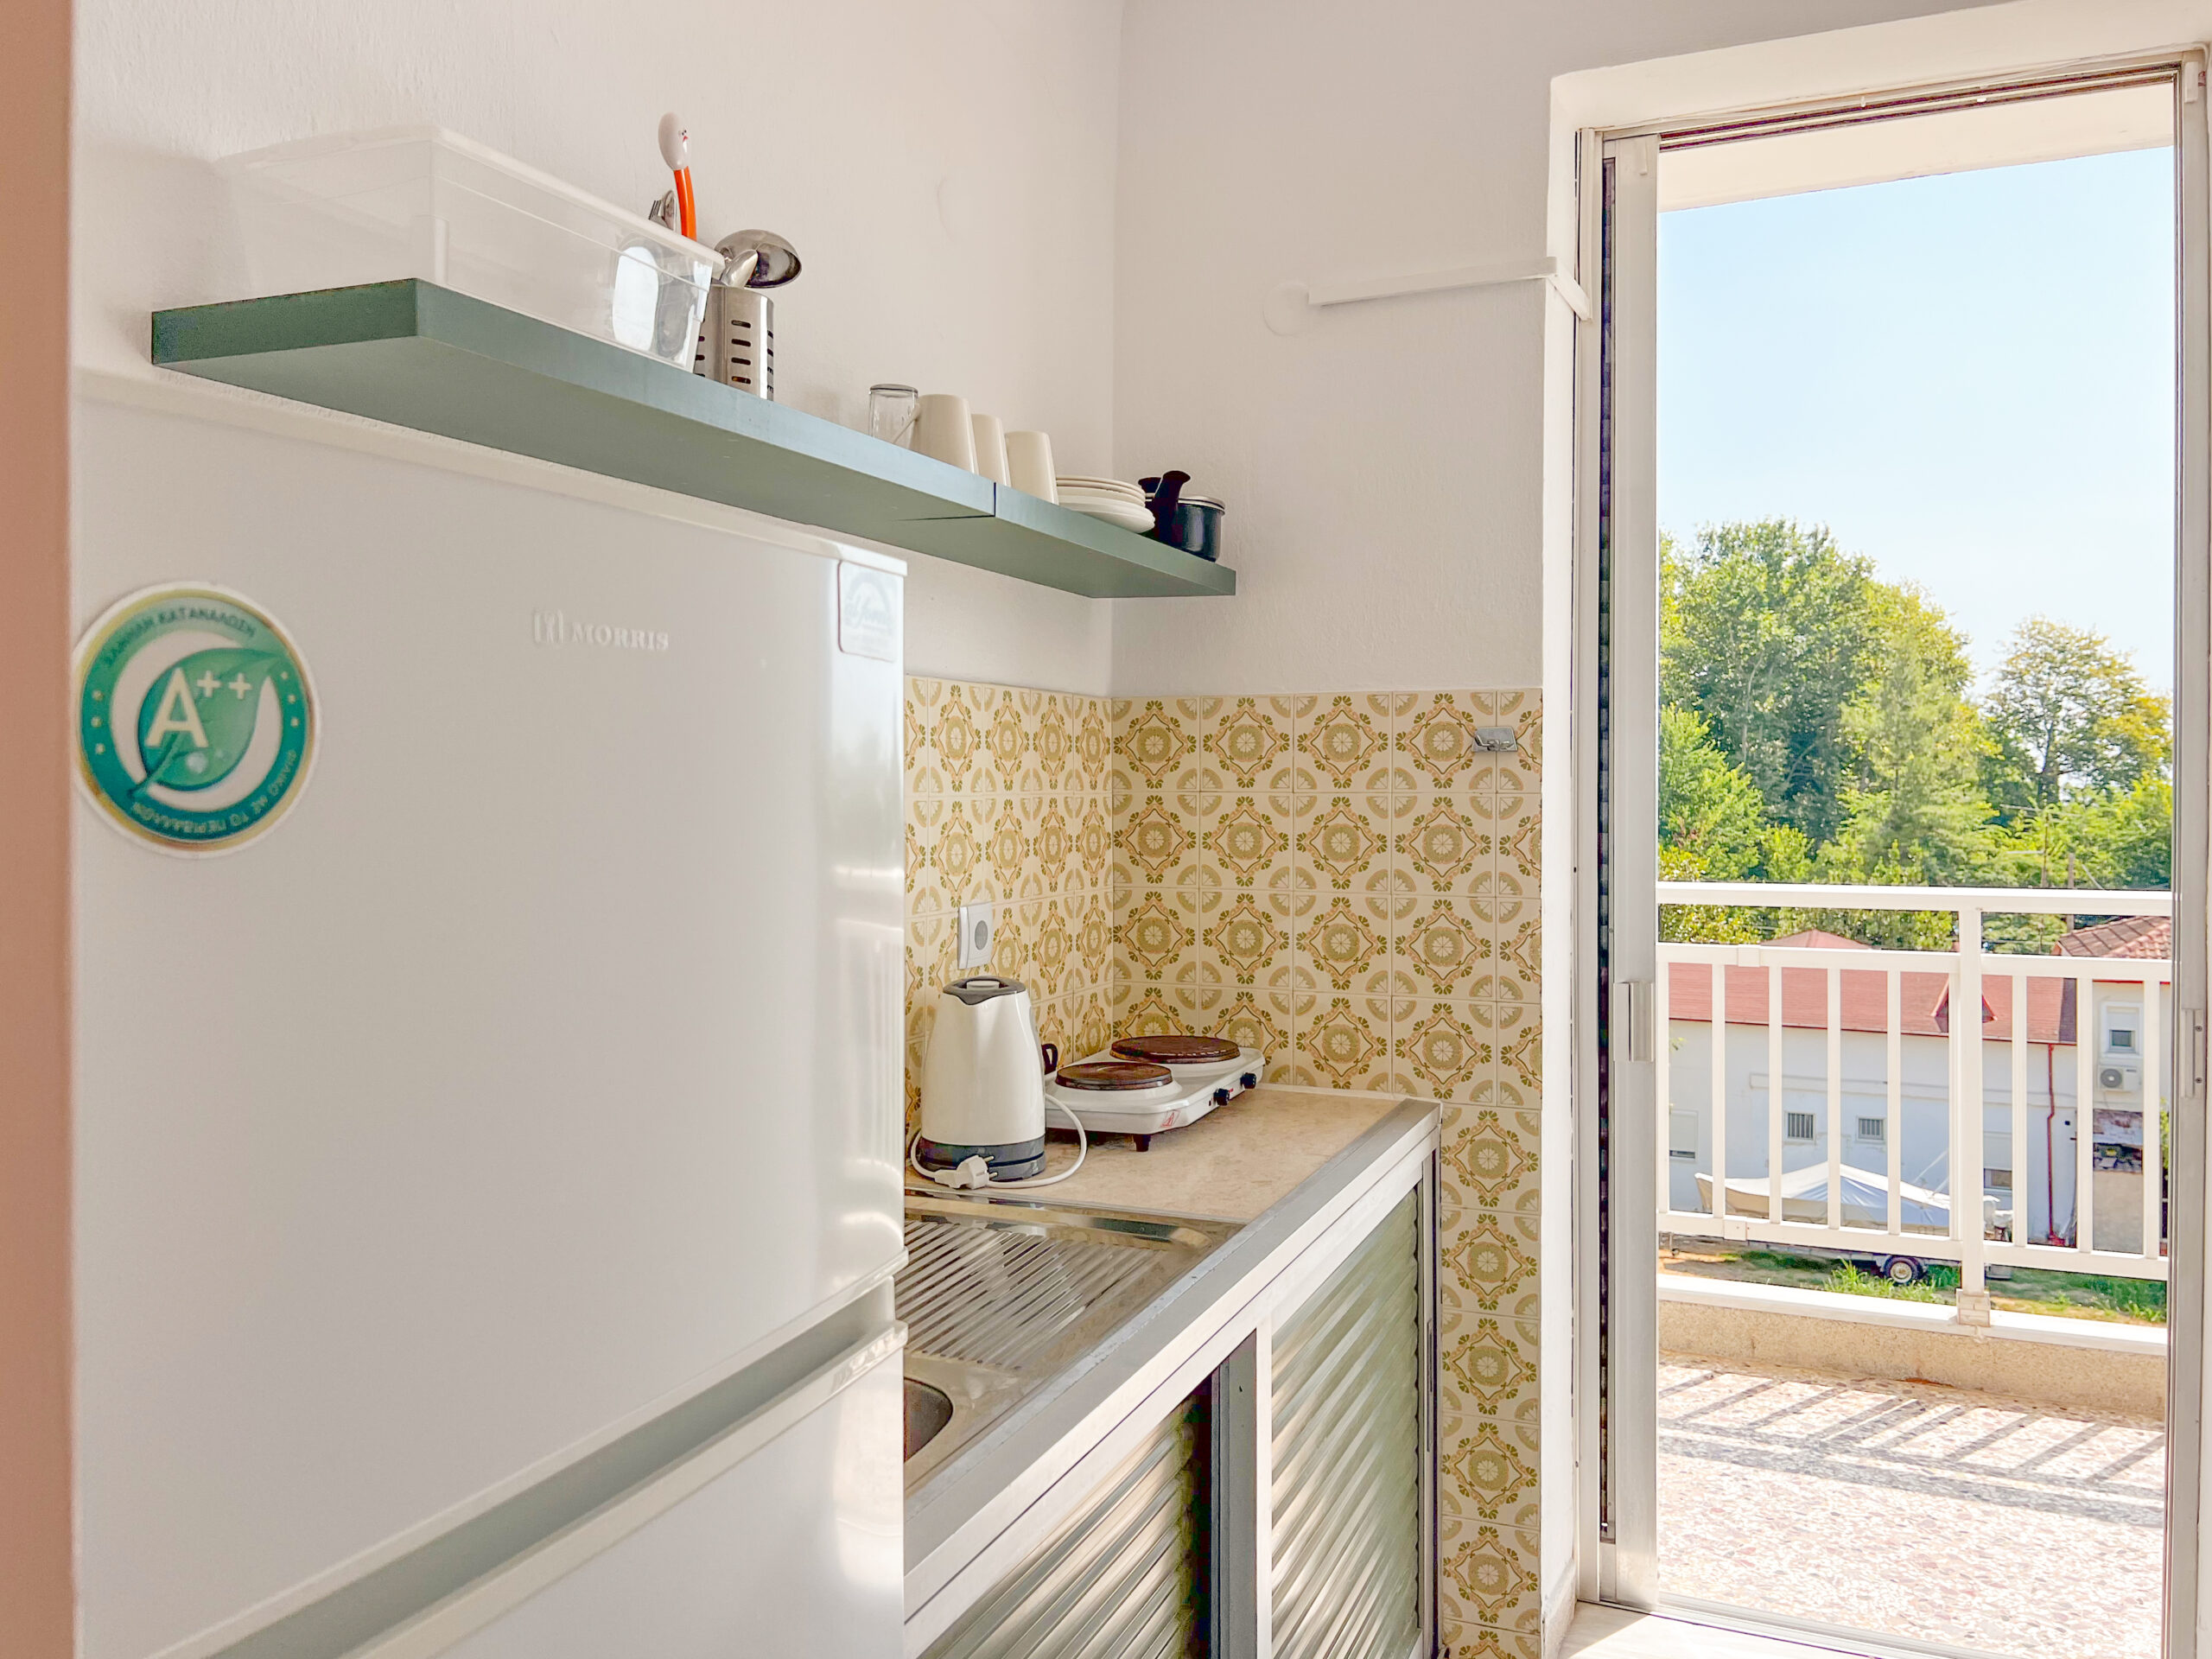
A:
<point x="675" y="151"/>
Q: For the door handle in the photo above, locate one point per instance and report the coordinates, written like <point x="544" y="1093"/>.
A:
<point x="1635" y="1004"/>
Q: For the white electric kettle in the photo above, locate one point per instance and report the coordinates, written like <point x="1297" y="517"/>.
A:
<point x="983" y="1081"/>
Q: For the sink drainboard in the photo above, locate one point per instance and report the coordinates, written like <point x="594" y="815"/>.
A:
<point x="1000" y="1298"/>
<point x="998" y="1295"/>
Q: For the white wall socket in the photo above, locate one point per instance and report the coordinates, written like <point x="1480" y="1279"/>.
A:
<point x="977" y="929"/>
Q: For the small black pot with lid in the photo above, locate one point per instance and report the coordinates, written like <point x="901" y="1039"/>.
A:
<point x="1190" y="522"/>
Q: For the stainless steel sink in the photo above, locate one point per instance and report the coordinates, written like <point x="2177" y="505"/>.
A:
<point x="928" y="1410"/>
<point x="999" y="1294"/>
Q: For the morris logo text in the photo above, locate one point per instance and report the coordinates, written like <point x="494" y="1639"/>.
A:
<point x="554" y="628"/>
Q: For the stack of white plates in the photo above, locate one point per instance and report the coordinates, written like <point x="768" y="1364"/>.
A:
<point x="1109" y="499"/>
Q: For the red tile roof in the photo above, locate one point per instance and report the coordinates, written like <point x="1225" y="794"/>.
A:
<point x="1924" y="999"/>
<point x="2139" y="938"/>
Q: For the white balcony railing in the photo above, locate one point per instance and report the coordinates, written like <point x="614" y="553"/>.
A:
<point x="1896" y="1071"/>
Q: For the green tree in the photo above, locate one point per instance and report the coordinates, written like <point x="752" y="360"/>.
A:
<point x="2071" y="716"/>
<point x="1714" y="827"/>
<point x="1711" y="816"/>
<point x="1915" y="812"/>
<point x="2119" y="840"/>
<point x="1768" y="634"/>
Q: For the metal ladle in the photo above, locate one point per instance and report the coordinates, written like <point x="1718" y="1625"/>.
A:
<point x="756" y="259"/>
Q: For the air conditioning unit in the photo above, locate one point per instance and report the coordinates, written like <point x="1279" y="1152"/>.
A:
<point x="2120" y="1079"/>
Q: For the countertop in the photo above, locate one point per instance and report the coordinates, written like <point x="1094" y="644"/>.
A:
<point x="1289" y="1167"/>
<point x="1231" y="1164"/>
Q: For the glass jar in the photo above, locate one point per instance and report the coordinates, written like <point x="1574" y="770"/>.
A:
<point x="891" y="414"/>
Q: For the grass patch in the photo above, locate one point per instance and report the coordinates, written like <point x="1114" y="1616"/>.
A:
<point x="2081" y="1296"/>
<point x="1850" y="1281"/>
<point x="2029" y="1290"/>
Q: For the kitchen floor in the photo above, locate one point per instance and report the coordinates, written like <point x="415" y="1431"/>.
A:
<point x="1612" y="1633"/>
<point x="1922" y="1511"/>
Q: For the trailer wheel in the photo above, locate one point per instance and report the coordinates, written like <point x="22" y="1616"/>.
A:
<point x="1903" y="1270"/>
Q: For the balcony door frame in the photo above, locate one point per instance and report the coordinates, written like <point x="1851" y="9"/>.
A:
<point x="1615" y="696"/>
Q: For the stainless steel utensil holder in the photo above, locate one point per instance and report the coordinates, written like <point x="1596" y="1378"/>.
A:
<point x="737" y="340"/>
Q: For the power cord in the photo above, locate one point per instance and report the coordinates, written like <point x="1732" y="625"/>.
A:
<point x="973" y="1172"/>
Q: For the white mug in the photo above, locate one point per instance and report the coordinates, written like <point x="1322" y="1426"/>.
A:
<point x="1029" y="465"/>
<point x="990" y="448"/>
<point x="942" y="430"/>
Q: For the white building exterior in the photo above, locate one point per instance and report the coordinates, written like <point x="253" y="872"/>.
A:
<point x="2041" y="1181"/>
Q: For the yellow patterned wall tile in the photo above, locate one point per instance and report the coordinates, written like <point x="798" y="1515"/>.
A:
<point x="1518" y="959"/>
<point x="1435" y="739"/>
<point x="1197" y="772"/>
<point x="1153" y="745"/>
<point x="1486" y="1364"/>
<point x="925" y="895"/>
<point x="1122" y="792"/>
<point x="1051" y="948"/>
<point x="1504" y="900"/>
<point x="1342" y="842"/>
<point x="1090" y="1024"/>
<point x="958" y="860"/>
<point x="1197" y="1005"/>
<point x="1249" y="855"/>
<point x="1487" y="1267"/>
<point x="1051" y="844"/>
<point x="1005" y="737"/>
<point x="1442" y="946"/>
<point x="1269" y="868"/>
<point x="1343" y="1042"/>
<point x="1458" y="1641"/>
<point x="921" y="701"/>
<point x="1094" y="939"/>
<point x="1010" y="941"/>
<point x="1053" y="1026"/>
<point x="1247" y="940"/>
<point x="1490" y="1155"/>
<point x="1143" y="1010"/>
<point x="1511" y="781"/>
<point x="1251" y="741"/>
<point x="1488" y="1474"/>
<point x="1093" y="751"/>
<point x="1255" y="1019"/>
<point x="1050" y="767"/>
<point x="1488" y="1575"/>
<point x="1157" y="840"/>
<point x="937" y="951"/>
<point x="1515" y="1033"/>
<point x="1152" y="935"/>
<point x="1518" y="841"/>
<point x="955" y="742"/>
<point x="1345" y="741"/>
<point x="1005" y="852"/>
<point x="1092" y="842"/>
<point x="1440" y="843"/>
<point x="1439" y="1050"/>
<point x="1345" y="948"/>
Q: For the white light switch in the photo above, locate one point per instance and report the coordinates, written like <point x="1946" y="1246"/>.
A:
<point x="975" y="934"/>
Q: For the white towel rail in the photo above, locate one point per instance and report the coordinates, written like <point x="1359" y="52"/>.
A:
<point x="1294" y="307"/>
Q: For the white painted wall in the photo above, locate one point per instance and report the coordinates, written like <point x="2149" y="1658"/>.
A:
<point x="1384" y="471"/>
<point x="946" y="173"/>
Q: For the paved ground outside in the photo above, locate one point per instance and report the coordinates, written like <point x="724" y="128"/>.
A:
<point x="1911" y="1510"/>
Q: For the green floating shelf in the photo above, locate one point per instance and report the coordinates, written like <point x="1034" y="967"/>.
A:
<point x="421" y="356"/>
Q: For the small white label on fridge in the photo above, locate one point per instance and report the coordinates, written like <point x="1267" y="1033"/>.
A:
<point x="869" y="619"/>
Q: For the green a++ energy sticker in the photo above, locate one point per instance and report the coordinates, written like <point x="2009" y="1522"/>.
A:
<point x="195" y="718"/>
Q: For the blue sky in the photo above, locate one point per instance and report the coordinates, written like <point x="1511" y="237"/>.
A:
<point x="1968" y="378"/>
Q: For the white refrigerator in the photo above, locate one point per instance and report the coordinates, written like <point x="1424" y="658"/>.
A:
<point x="487" y="1178"/>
